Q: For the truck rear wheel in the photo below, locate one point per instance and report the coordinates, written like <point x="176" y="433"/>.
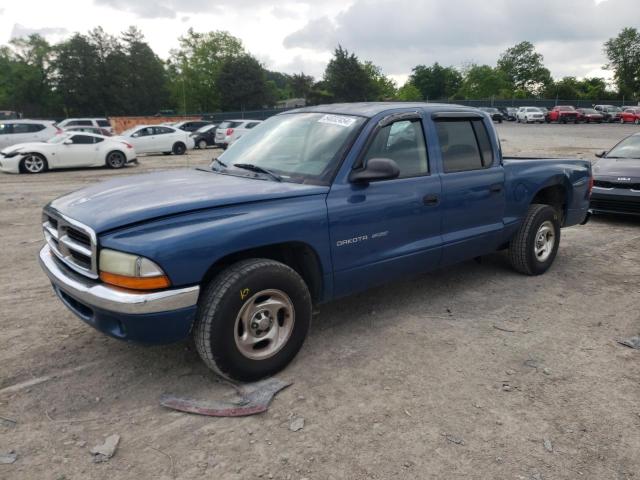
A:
<point x="252" y="319"/>
<point x="535" y="244"/>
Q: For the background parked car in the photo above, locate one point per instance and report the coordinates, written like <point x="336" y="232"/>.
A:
<point x="616" y="187"/>
<point x="231" y="130"/>
<point x="562" y="114"/>
<point x="630" y="115"/>
<point x="191" y="125"/>
<point x="95" y="130"/>
<point x="589" y="115"/>
<point x="509" y="113"/>
<point x="21" y="131"/>
<point x="205" y="136"/>
<point x="67" y="150"/>
<point x="494" y="113"/>
<point x="158" y="139"/>
<point x="86" y="122"/>
<point x="529" y="115"/>
<point x="611" y="113"/>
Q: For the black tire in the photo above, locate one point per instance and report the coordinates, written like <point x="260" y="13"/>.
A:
<point x="219" y="307"/>
<point x="522" y="248"/>
<point x="202" y="144"/>
<point x="116" y="159"/>
<point x="179" y="148"/>
<point x="34" y="163"/>
<point x="166" y="153"/>
<point x="547" y="120"/>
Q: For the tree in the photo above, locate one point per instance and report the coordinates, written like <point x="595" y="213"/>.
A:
<point x="25" y="76"/>
<point x="623" y="53"/>
<point x="145" y="76"/>
<point x="300" y="85"/>
<point x="345" y="78"/>
<point x="194" y="67"/>
<point x="523" y="67"/>
<point x="408" y="93"/>
<point x="381" y="87"/>
<point x="435" y="82"/>
<point x="483" y="81"/>
<point x="242" y="83"/>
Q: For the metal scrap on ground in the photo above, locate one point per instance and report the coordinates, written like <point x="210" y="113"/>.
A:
<point x="631" y="342"/>
<point x="255" y="398"/>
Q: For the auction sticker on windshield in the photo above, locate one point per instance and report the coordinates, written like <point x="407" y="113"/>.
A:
<point x="337" y="120"/>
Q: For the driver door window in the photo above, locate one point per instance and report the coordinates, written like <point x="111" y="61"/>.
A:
<point x="403" y="142"/>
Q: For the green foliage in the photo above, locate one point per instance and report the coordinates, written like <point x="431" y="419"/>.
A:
<point x="623" y="53"/>
<point x="436" y="82"/>
<point x="570" y="88"/>
<point x="483" y="81"/>
<point x="241" y="82"/>
<point x="408" y="93"/>
<point x="346" y="78"/>
<point x="300" y="85"/>
<point x="194" y="67"/>
<point x="524" y="69"/>
<point x="381" y="87"/>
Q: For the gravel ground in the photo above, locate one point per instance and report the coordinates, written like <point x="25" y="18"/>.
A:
<point x="475" y="372"/>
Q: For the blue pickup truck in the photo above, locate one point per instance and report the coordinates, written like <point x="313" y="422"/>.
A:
<point x="312" y="205"/>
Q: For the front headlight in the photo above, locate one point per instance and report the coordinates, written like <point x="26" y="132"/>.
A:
<point x="131" y="271"/>
<point x="11" y="154"/>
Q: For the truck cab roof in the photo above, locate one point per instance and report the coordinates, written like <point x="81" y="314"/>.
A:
<point x="371" y="109"/>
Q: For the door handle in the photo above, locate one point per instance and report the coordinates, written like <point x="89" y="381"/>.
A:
<point x="430" y="200"/>
<point x="495" y="188"/>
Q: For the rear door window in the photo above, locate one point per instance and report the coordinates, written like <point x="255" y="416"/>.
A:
<point x="162" y="130"/>
<point x="252" y="124"/>
<point x="6" y="128"/>
<point x="104" y="123"/>
<point x="82" y="139"/>
<point x="35" y="127"/>
<point x="464" y="145"/>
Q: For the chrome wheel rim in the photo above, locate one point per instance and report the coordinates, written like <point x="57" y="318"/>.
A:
<point x="264" y="324"/>
<point x="545" y="241"/>
<point x="116" y="160"/>
<point x="33" y="163"/>
<point x="202" y="144"/>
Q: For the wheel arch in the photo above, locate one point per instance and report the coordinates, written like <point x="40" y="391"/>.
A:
<point x="114" y="150"/>
<point x="555" y="195"/>
<point x="300" y="256"/>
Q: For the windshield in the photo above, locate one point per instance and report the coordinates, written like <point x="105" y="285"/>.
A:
<point x="61" y="137"/>
<point x="627" y="148"/>
<point x="299" y="147"/>
<point x="206" y="128"/>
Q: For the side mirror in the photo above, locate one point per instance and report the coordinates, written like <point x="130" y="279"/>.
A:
<point x="68" y="141"/>
<point x="376" y="169"/>
<point x="601" y="154"/>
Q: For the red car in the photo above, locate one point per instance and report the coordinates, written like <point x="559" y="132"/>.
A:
<point x="562" y="114"/>
<point x="589" y="115"/>
<point x="630" y="115"/>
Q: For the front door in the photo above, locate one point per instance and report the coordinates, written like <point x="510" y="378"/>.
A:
<point x="81" y="152"/>
<point x="387" y="229"/>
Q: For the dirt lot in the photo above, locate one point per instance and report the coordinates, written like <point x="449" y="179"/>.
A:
<point x="475" y="372"/>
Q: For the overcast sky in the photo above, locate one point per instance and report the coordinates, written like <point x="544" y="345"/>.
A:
<point x="299" y="35"/>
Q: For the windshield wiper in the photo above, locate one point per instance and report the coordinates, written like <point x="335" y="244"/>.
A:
<point x="258" y="169"/>
<point x="222" y="164"/>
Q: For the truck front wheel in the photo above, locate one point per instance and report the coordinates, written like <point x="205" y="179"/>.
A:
<point x="535" y="244"/>
<point x="252" y="319"/>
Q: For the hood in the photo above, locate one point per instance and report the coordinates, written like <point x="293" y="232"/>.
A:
<point x="117" y="203"/>
<point x="22" y="146"/>
<point x="617" y="167"/>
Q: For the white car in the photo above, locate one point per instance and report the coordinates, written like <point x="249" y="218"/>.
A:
<point x="158" y="139"/>
<point x="87" y="122"/>
<point x="230" y="131"/>
<point x="529" y="115"/>
<point x="21" y="131"/>
<point x="67" y="150"/>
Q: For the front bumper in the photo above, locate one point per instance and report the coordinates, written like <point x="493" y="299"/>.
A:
<point x="153" y="317"/>
<point x="11" y="164"/>
<point x="615" y="200"/>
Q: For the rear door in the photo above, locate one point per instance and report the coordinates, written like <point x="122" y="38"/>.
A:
<point x="390" y="228"/>
<point x="472" y="188"/>
<point x="165" y="137"/>
<point x="143" y="140"/>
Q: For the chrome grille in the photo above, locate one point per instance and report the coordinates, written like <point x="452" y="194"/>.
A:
<point x="71" y="242"/>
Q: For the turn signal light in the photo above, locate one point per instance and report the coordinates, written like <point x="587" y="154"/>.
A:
<point x="135" y="283"/>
